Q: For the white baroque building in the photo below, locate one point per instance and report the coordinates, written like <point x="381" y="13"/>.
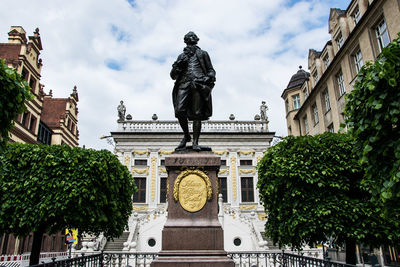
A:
<point x="143" y="145"/>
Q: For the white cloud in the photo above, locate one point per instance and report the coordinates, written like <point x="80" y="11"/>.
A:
<point x="255" y="46"/>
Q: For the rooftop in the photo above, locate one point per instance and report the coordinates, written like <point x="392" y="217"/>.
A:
<point x="298" y="78"/>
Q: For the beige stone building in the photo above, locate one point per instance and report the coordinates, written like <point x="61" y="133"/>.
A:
<point x="315" y="100"/>
<point x="47" y="120"/>
<point x="61" y="116"/>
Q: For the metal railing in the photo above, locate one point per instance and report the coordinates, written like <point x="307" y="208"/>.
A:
<point x="280" y="259"/>
<point x="22" y="260"/>
<point x="132" y="259"/>
<point x="241" y="259"/>
<point x="95" y="260"/>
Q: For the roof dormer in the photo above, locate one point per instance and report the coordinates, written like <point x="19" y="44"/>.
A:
<point x="313" y="55"/>
<point x="17" y="35"/>
<point x="334" y="19"/>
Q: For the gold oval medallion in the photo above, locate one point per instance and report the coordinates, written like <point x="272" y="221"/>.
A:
<point x="192" y="193"/>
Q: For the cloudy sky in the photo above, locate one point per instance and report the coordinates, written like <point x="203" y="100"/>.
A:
<point x="116" y="50"/>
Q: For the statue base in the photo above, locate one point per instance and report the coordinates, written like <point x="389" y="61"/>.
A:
<point x="192" y="235"/>
<point x="189" y="149"/>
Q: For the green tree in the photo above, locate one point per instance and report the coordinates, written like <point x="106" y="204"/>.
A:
<point x="311" y="189"/>
<point x="14" y="92"/>
<point x="51" y="188"/>
<point x="373" y="113"/>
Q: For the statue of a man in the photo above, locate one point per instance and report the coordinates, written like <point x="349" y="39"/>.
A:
<point x="263" y="111"/>
<point x="195" y="78"/>
<point x="121" y="111"/>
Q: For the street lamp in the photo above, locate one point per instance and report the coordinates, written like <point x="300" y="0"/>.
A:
<point x="108" y="138"/>
<point x="277" y="139"/>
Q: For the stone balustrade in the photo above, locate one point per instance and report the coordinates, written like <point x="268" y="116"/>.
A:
<point x="207" y="126"/>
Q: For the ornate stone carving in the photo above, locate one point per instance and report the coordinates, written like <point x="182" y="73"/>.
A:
<point x="153" y="177"/>
<point x="140" y="171"/>
<point x="139" y="208"/>
<point x="165" y="152"/>
<point x="223" y="171"/>
<point x="262" y="216"/>
<point x="250" y="152"/>
<point x="167" y="188"/>
<point x="234" y="182"/>
<point x="223" y="152"/>
<point x="247" y="171"/>
<point x="137" y="152"/>
<point x="248" y="207"/>
<point x="162" y="170"/>
<point x="127" y="160"/>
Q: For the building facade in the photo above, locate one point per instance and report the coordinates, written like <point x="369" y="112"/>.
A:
<point x="143" y="146"/>
<point x="315" y="100"/>
<point x="47" y="120"/>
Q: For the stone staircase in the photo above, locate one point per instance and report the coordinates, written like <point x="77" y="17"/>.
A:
<point x="270" y="243"/>
<point x="117" y="244"/>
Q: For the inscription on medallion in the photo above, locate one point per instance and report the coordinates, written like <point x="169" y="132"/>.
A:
<point x="192" y="193"/>
<point x="192" y="162"/>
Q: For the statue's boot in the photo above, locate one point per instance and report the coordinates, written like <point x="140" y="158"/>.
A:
<point x="185" y="127"/>
<point x="196" y="146"/>
<point x="182" y="144"/>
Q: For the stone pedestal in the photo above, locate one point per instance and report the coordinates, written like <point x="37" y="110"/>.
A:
<point x="192" y="235"/>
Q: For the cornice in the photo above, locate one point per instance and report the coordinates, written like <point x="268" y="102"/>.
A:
<point x="21" y="134"/>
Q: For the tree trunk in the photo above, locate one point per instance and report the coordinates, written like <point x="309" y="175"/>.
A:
<point x="351" y="251"/>
<point x="36" y="246"/>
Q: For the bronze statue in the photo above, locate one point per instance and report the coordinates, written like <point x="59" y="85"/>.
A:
<point x="195" y="78"/>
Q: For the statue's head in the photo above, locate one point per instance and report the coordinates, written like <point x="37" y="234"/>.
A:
<point x="121" y="102"/>
<point x="191" y="38"/>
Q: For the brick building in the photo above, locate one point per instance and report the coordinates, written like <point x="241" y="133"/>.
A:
<point x="47" y="120"/>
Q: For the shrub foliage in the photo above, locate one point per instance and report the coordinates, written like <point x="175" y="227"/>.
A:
<point x="51" y="188"/>
<point x="373" y="119"/>
<point x="14" y="92"/>
<point x="311" y="188"/>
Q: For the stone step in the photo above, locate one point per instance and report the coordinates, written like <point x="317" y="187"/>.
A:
<point x="118" y="243"/>
<point x="270" y="243"/>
